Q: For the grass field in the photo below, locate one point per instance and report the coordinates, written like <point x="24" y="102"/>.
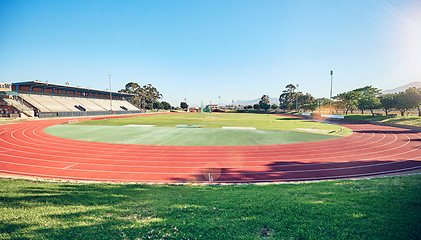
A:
<point x="218" y="120"/>
<point x="270" y="129"/>
<point x="183" y="136"/>
<point x="406" y="120"/>
<point x="382" y="208"/>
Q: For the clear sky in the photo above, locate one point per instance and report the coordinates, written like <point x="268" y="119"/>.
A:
<point x="201" y="50"/>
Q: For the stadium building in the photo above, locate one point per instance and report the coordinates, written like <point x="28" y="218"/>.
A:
<point x="43" y="99"/>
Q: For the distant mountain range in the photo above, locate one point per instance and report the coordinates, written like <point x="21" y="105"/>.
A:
<point x="403" y="88"/>
<point x="254" y="101"/>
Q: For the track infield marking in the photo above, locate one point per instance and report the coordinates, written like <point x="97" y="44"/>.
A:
<point x="369" y="151"/>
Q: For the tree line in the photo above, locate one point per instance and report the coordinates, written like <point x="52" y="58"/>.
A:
<point x="367" y="98"/>
<point x="370" y="98"/>
<point x="291" y="99"/>
<point x="145" y="97"/>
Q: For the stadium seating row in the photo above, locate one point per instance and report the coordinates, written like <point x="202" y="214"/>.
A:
<point x="48" y="103"/>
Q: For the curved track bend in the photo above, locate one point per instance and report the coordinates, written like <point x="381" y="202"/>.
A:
<point x="371" y="150"/>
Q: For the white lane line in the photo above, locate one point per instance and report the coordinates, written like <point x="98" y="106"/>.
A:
<point x="244" y="152"/>
<point x="169" y="139"/>
<point x="86" y="178"/>
<point x="272" y="158"/>
<point x="366" y="174"/>
<point x="261" y="153"/>
<point x="70" y="166"/>
<point x="159" y="164"/>
<point x="232" y="181"/>
<point x="272" y="155"/>
<point x="201" y="167"/>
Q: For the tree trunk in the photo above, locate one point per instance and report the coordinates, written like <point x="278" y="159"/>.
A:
<point x="402" y="112"/>
<point x="372" y="112"/>
<point x="386" y="112"/>
<point x="362" y="112"/>
<point x="419" y="110"/>
<point x="346" y="111"/>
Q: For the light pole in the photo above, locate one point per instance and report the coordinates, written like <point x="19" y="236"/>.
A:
<point x="330" y="98"/>
<point x="111" y="103"/>
<point x="296" y="99"/>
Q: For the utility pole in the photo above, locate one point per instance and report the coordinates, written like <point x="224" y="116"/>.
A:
<point x="296" y="99"/>
<point x="111" y="97"/>
<point x="330" y="98"/>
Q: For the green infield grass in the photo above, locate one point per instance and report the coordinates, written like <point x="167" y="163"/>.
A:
<point x="380" y="208"/>
<point x="196" y="129"/>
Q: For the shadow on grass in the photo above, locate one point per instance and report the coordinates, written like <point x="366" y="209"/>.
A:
<point x="289" y="119"/>
<point x="297" y="171"/>
<point x="83" y="211"/>
<point x="11" y="228"/>
<point x="125" y="211"/>
<point x="328" y="210"/>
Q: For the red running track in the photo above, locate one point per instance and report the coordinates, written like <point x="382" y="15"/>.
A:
<point x="371" y="150"/>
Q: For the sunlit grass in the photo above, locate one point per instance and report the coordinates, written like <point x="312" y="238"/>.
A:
<point x="406" y="120"/>
<point x="382" y="208"/>
<point x="218" y="120"/>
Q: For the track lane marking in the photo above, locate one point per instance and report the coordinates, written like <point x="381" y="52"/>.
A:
<point x="407" y="141"/>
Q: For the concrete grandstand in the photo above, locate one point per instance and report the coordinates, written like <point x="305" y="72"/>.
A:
<point x="42" y="99"/>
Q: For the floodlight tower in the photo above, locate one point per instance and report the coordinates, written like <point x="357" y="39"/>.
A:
<point x="330" y="98"/>
<point x="296" y="99"/>
<point x="111" y="97"/>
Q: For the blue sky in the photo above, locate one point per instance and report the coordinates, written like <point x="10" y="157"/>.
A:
<point x="201" y="50"/>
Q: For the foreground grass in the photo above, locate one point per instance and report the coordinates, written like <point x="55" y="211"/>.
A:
<point x="218" y="120"/>
<point x="383" y="208"/>
<point x="406" y="120"/>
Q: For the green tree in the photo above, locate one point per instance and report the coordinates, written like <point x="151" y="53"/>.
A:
<point x="133" y="88"/>
<point x="157" y="105"/>
<point x="184" y="105"/>
<point x="144" y="97"/>
<point x="274" y="106"/>
<point x="368" y="99"/>
<point x="149" y="95"/>
<point x="265" y="99"/>
<point x="408" y="100"/>
<point x="347" y="101"/>
<point x="403" y="102"/>
<point x="264" y="102"/>
<point x="288" y="96"/>
<point x="415" y="96"/>
<point x="309" y="106"/>
<point x="165" y="105"/>
<point x="388" y="102"/>
<point x="305" y="99"/>
<point x="322" y="102"/>
<point x="256" y="106"/>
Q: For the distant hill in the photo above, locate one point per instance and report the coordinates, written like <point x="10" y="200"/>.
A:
<point x="403" y="88"/>
<point x="254" y="101"/>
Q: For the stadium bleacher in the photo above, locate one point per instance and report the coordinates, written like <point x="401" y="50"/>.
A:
<point x="53" y="100"/>
<point x="90" y="104"/>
